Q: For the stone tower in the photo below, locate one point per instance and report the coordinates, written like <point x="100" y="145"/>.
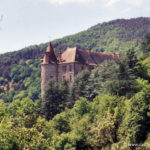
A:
<point x="48" y="68"/>
<point x="69" y="63"/>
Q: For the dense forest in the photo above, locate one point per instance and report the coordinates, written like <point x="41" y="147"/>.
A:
<point x="106" y="108"/>
<point x="18" y="69"/>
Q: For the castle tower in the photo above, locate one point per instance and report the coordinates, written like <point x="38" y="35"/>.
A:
<point x="48" y="68"/>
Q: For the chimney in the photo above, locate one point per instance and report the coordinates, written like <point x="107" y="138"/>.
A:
<point x="59" y="56"/>
<point x="88" y="51"/>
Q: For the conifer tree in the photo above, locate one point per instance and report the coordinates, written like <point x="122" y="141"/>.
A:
<point x="51" y="100"/>
<point x="79" y="85"/>
<point x="145" y="46"/>
<point x="138" y="120"/>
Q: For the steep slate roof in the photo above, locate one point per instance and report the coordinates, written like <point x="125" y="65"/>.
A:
<point x="84" y="56"/>
<point x="49" y="56"/>
<point x="69" y="55"/>
<point x="49" y="47"/>
<point x="100" y="57"/>
<point x="76" y="55"/>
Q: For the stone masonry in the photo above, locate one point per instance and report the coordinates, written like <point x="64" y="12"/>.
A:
<point x="69" y="63"/>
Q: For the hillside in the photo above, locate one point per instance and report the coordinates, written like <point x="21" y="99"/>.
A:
<point x="118" y="35"/>
<point x="107" y="108"/>
<point x="19" y="71"/>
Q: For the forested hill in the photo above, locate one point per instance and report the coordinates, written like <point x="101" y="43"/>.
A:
<point x="107" y="108"/>
<point x="116" y="35"/>
<point x="20" y="71"/>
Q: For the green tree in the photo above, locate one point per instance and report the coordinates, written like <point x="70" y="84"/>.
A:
<point x="145" y="46"/>
<point x="79" y="84"/>
<point x="64" y="90"/>
<point x="24" y="112"/>
<point x="51" y="100"/>
<point x="122" y="80"/>
<point x="8" y="139"/>
<point x="2" y="110"/>
<point x="94" y="85"/>
<point x="138" y="120"/>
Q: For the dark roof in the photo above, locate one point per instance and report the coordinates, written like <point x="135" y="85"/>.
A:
<point x="49" y="56"/>
<point x="69" y="55"/>
<point x="85" y="56"/>
<point x="77" y="55"/>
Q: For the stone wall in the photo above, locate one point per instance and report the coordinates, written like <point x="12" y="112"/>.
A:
<point x="66" y="71"/>
<point x="48" y="72"/>
<point x="80" y="67"/>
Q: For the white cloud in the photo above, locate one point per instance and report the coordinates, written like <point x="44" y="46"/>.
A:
<point x="61" y="2"/>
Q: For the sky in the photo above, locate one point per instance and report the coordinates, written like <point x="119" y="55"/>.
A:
<point x="28" y="22"/>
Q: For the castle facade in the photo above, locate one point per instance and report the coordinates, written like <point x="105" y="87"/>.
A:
<point x="69" y="63"/>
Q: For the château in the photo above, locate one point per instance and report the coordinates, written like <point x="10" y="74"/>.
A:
<point x="69" y="63"/>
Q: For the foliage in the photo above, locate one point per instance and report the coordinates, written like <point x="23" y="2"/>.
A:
<point x="114" y="77"/>
<point x="20" y="70"/>
<point x="55" y="98"/>
<point x="79" y="85"/>
<point x="111" y="103"/>
<point x="137" y="119"/>
<point x="25" y="81"/>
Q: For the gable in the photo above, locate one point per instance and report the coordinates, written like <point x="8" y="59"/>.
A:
<point x="69" y="55"/>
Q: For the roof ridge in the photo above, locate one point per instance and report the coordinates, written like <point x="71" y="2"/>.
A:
<point x="93" y="59"/>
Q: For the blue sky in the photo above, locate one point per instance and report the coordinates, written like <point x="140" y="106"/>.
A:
<point x="28" y="22"/>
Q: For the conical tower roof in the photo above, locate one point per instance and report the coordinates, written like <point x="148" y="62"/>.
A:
<point x="49" y="56"/>
<point x="49" y="47"/>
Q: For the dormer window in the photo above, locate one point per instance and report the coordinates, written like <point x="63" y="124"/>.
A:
<point x="91" y="67"/>
<point x="64" y="68"/>
<point x="77" y="56"/>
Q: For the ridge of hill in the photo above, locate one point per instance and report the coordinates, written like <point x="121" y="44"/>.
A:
<point x="19" y="71"/>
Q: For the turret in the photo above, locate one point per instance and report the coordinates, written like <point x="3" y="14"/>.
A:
<point x="48" y="68"/>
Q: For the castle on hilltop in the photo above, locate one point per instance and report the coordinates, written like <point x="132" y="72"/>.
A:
<point x="69" y="63"/>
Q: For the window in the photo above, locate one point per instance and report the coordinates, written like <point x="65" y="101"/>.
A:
<point x="77" y="56"/>
<point x="70" y="77"/>
<point x="64" y="68"/>
<point x="82" y="67"/>
<point x="70" y="68"/>
<point x="51" y="77"/>
<point x="91" y="67"/>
